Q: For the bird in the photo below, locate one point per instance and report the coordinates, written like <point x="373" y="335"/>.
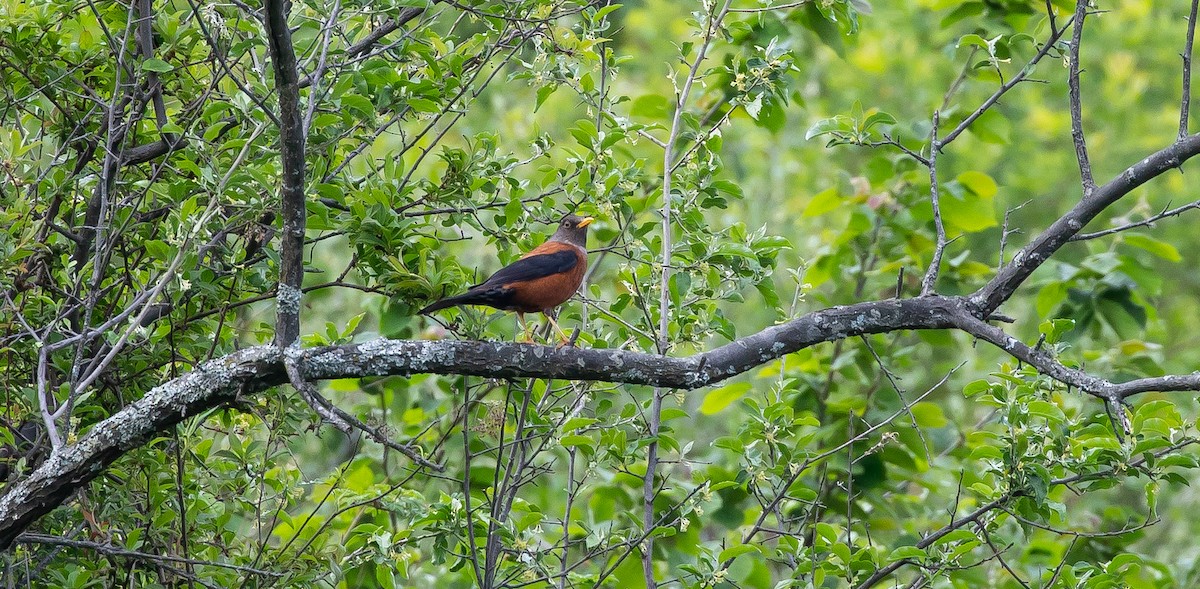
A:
<point x="538" y="282"/>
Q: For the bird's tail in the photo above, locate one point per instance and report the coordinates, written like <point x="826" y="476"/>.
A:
<point x="447" y="302"/>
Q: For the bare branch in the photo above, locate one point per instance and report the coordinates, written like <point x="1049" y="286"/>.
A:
<point x="291" y="193"/>
<point x="1032" y="256"/>
<point x="1186" y="102"/>
<point x="140" y="154"/>
<point x="784" y="6"/>
<point x="991" y="101"/>
<point x="1046" y="364"/>
<point x="931" y="275"/>
<point x="1147" y="222"/>
<point x="113" y="550"/>
<point x="1051" y="13"/>
<point x="383" y="30"/>
<point x="343" y="421"/>
<point x="1077" y="136"/>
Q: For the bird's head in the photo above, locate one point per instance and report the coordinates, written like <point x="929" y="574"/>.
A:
<point x="573" y="230"/>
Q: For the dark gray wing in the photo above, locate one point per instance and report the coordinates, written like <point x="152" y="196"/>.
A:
<point x="533" y="267"/>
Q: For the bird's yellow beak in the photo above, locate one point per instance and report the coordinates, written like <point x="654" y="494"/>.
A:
<point x="585" y="222"/>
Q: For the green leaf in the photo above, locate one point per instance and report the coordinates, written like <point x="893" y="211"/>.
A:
<point x="736" y="551"/>
<point x="929" y="415"/>
<point x="879" y="118"/>
<point x="670" y="413"/>
<point x="385" y="577"/>
<point x="680" y="283"/>
<point x="772" y="117"/>
<point x="823" y="202"/>
<point x="838" y="124"/>
<point x="982" y="489"/>
<point x="1055" y="328"/>
<point x="359" y="104"/>
<point x="1046" y="410"/>
<point x="979" y="183"/>
<point x="812" y="18"/>
<point x="1050" y="297"/>
<point x="973" y="40"/>
<point x="542" y="94"/>
<point x="423" y="105"/>
<point x="651" y="106"/>
<point x="1161" y="249"/>
<point x="157" y="65"/>
<point x="573" y="440"/>
<point x="975" y="387"/>
<point x="157" y="249"/>
<point x="964" y="11"/>
<point x="718" y="399"/>
<point x="585" y="133"/>
<point x="986" y="453"/>
<point x="578" y="422"/>
<point x="968" y="212"/>
<point x="906" y="553"/>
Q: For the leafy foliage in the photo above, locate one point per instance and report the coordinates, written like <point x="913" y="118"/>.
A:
<point x="140" y="163"/>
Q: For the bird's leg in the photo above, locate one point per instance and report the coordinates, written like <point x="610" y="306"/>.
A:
<point x="563" y="338"/>
<point x="525" y="336"/>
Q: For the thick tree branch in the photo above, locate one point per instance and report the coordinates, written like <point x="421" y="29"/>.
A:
<point x="291" y="193"/>
<point x="247" y="372"/>
<point x="252" y="370"/>
<point x="217" y="382"/>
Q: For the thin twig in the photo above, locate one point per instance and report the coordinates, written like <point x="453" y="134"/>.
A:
<point x="1004" y="88"/>
<point x="343" y="421"/>
<point x="1051" y="13"/>
<point x="894" y="381"/>
<point x="1005" y="232"/>
<point x="112" y="550"/>
<point x="987" y="538"/>
<point x="1185" y="103"/>
<point x="1147" y="222"/>
<point x="1077" y="136"/>
<point x="931" y="275"/>
<point x="784" y="6"/>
